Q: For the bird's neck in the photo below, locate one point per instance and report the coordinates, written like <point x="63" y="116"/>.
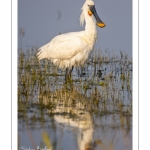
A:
<point x="91" y="31"/>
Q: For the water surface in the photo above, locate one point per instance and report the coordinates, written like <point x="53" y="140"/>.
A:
<point x="92" y="111"/>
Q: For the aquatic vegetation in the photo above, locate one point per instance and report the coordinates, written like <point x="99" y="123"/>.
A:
<point x="101" y="87"/>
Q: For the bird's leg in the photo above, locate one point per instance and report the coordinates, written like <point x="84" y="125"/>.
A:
<point x="71" y="71"/>
<point x="66" y="74"/>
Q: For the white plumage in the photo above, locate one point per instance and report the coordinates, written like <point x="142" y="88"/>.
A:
<point x="72" y="49"/>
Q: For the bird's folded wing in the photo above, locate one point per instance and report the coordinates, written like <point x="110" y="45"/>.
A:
<point x="63" y="46"/>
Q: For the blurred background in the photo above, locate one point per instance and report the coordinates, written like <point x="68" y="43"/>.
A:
<point x="40" y="20"/>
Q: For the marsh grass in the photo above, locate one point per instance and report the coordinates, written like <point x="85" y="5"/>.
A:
<point x="101" y="87"/>
<point x="103" y="80"/>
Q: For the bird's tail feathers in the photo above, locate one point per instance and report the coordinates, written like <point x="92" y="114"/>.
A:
<point x="41" y="54"/>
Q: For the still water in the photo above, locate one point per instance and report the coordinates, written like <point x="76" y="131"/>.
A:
<point x="93" y="111"/>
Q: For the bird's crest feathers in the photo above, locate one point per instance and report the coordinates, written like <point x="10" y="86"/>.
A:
<point x="82" y="17"/>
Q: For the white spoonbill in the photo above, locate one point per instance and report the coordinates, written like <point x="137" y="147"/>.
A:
<point x="73" y="48"/>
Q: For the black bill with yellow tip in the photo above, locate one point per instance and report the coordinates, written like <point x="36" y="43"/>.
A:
<point x="98" y="20"/>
